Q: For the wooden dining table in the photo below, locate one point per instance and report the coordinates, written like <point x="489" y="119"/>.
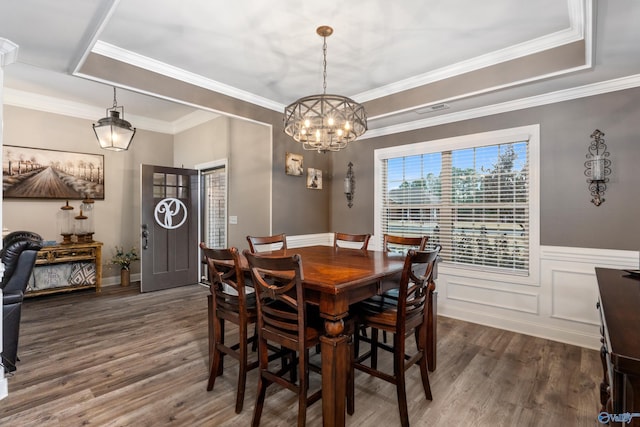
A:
<point x="335" y="278"/>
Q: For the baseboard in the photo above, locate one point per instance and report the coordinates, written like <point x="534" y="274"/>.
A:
<point x="567" y="336"/>
<point x="115" y="280"/>
<point x="4" y="388"/>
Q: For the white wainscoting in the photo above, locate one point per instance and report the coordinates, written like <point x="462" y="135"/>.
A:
<point x="325" y="239"/>
<point x="561" y="307"/>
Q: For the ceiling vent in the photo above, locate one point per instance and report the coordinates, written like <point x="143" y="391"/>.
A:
<point x="432" y="108"/>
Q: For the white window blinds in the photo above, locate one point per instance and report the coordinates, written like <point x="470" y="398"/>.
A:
<point x="214" y="206"/>
<point x="473" y="201"/>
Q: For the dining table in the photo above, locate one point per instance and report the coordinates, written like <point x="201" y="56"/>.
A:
<point x="334" y="278"/>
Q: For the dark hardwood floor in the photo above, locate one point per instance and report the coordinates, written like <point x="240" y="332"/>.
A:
<point x="129" y="359"/>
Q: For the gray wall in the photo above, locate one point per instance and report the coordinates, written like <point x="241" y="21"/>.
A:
<point x="296" y="210"/>
<point x="117" y="217"/>
<point x="568" y="218"/>
<point x="247" y="148"/>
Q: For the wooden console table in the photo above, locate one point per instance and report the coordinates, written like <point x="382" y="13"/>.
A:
<point x="619" y="307"/>
<point x="71" y="253"/>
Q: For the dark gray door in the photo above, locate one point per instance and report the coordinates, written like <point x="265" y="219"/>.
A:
<point x="169" y="235"/>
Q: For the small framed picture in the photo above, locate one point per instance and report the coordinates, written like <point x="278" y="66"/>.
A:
<point x="314" y="179"/>
<point x="293" y="164"/>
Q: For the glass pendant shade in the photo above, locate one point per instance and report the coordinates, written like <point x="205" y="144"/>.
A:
<point x="114" y="133"/>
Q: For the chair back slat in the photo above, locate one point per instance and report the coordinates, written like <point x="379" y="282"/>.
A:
<point x="394" y="243"/>
<point x="351" y="238"/>
<point x="278" y="285"/>
<point x="259" y="243"/>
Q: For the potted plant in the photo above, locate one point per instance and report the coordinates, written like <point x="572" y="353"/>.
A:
<point x="124" y="260"/>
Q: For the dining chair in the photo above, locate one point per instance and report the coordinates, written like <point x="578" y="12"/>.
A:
<point x="257" y="242"/>
<point x="403" y="317"/>
<point x="229" y="300"/>
<point x="283" y="319"/>
<point x="393" y="243"/>
<point x="351" y="238"/>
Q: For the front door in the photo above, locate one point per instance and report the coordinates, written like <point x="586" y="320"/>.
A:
<point x="169" y="235"/>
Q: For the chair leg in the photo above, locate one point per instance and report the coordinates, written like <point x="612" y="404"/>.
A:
<point x="402" y="401"/>
<point x="242" y="368"/>
<point x="432" y="326"/>
<point x="212" y="338"/>
<point x="401" y="391"/>
<point x="257" y="410"/>
<point x="424" y="371"/>
<point x="254" y="346"/>
<point x="351" y="377"/>
<point x="356" y="342"/>
<point x="374" y="348"/>
<point x="303" y="387"/>
<point x="263" y="383"/>
<point x="216" y="358"/>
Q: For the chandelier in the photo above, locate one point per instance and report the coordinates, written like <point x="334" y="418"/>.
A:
<point x="325" y="122"/>
<point x="114" y="133"/>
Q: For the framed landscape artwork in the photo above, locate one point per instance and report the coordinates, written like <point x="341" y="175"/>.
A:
<point x="293" y="164"/>
<point x="314" y="179"/>
<point x="37" y="173"/>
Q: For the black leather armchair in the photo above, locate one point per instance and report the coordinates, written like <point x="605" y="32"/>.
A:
<point x="18" y="255"/>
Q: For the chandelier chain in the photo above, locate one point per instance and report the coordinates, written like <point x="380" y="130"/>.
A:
<point x="115" y="103"/>
<point x="324" y="65"/>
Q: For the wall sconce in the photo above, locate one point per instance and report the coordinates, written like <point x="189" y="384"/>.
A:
<point x="598" y="167"/>
<point x="349" y="185"/>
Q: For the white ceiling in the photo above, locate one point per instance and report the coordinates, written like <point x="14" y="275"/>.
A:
<point x="268" y="53"/>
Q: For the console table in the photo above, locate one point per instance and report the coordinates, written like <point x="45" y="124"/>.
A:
<point x="77" y="256"/>
<point x="619" y="306"/>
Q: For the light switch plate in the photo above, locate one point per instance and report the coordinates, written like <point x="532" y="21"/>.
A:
<point x="233" y="219"/>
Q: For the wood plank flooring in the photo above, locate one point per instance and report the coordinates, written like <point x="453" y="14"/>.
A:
<point x="129" y="359"/>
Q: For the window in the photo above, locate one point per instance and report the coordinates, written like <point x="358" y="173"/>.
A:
<point x="214" y="206"/>
<point x="475" y="195"/>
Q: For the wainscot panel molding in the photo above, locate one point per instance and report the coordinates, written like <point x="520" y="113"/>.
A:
<point x="492" y="296"/>
<point x="562" y="307"/>
<point x="324" y="239"/>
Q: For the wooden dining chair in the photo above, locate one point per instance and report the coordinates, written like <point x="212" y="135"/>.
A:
<point x="351" y="238"/>
<point x="229" y="300"/>
<point x="284" y="320"/>
<point x="393" y="243"/>
<point x="257" y="243"/>
<point x="403" y="317"/>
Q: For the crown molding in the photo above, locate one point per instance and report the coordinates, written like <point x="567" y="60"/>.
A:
<point x="191" y="120"/>
<point x="48" y="104"/>
<point x="579" y="22"/>
<point x="118" y="54"/>
<point x="613" y="85"/>
<point x="8" y="52"/>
